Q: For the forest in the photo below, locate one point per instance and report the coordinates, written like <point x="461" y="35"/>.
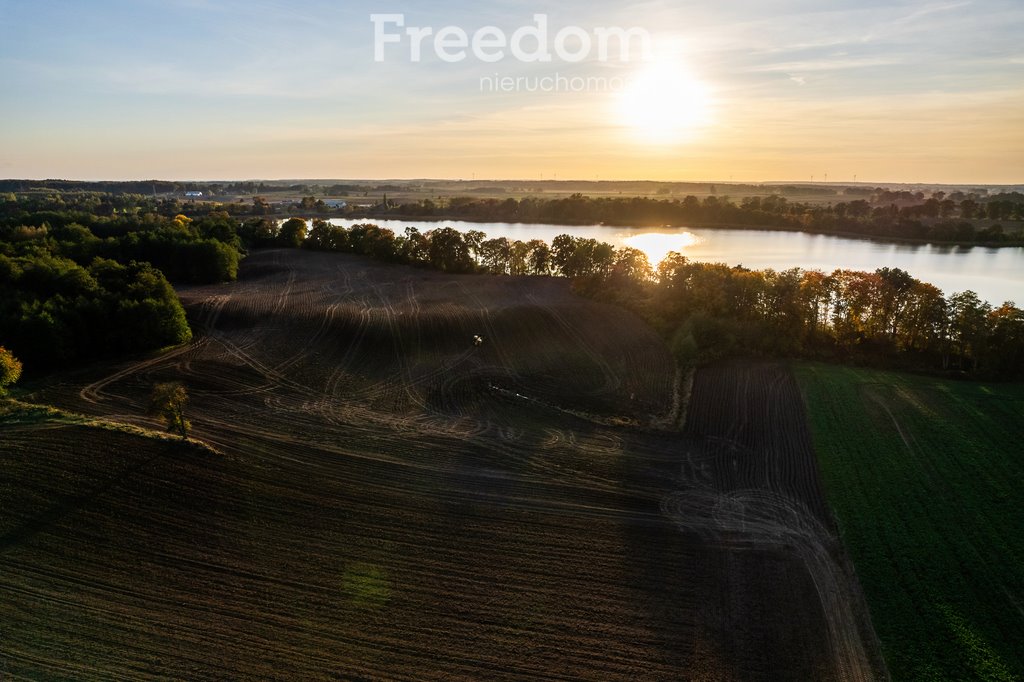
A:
<point x="75" y="286"/>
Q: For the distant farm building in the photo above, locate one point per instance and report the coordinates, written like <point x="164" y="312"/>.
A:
<point x="193" y="195"/>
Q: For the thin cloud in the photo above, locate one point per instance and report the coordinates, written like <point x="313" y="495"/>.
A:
<point x="834" y="64"/>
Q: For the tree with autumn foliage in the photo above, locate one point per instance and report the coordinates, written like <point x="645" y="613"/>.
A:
<point x="10" y="369"/>
<point x="168" y="401"/>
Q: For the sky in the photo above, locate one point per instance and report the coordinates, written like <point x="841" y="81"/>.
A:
<point x="929" y="92"/>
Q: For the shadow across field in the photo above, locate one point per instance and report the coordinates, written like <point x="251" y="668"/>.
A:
<point x="751" y="581"/>
<point x="67" y="505"/>
<point x="396" y="502"/>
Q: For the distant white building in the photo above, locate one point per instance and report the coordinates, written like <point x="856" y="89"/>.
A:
<point x="193" y="195"/>
<point x="335" y="203"/>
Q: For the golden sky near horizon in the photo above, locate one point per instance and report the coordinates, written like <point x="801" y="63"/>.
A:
<point x="904" y="92"/>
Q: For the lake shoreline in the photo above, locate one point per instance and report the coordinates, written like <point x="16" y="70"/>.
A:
<point x="1019" y="243"/>
<point x="995" y="274"/>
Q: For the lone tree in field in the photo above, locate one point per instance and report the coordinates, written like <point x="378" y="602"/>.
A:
<point x="10" y="369"/>
<point x="168" y="402"/>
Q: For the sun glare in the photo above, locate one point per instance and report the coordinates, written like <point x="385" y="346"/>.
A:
<point x="664" y="104"/>
<point x="657" y="245"/>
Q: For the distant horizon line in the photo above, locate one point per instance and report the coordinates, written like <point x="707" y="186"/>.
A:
<point x="817" y="183"/>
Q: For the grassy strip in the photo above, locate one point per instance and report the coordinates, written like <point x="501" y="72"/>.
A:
<point x="17" y="414"/>
<point x="924" y="476"/>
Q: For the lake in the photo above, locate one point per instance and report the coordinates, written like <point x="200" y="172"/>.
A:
<point x="996" y="275"/>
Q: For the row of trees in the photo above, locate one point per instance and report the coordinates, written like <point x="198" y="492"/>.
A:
<point x="711" y="310"/>
<point x="877" y="213"/>
<point x="109" y="205"/>
<point x="932" y="219"/>
<point x="203" y="251"/>
<point x="447" y="249"/>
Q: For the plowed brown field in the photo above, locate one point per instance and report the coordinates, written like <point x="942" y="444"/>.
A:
<point x="394" y="502"/>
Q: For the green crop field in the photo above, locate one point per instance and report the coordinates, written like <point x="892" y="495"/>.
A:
<point x="924" y="476"/>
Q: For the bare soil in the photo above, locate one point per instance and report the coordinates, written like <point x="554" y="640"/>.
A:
<point x="394" y="502"/>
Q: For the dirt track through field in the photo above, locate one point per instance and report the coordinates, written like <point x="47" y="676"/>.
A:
<point x="397" y="503"/>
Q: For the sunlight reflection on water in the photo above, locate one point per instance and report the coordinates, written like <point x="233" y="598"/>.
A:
<point x="657" y="245"/>
<point x="996" y="275"/>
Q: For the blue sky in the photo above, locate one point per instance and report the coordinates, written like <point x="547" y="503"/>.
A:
<point x="905" y="91"/>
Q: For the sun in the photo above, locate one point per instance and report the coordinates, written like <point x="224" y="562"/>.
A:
<point x="664" y="104"/>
